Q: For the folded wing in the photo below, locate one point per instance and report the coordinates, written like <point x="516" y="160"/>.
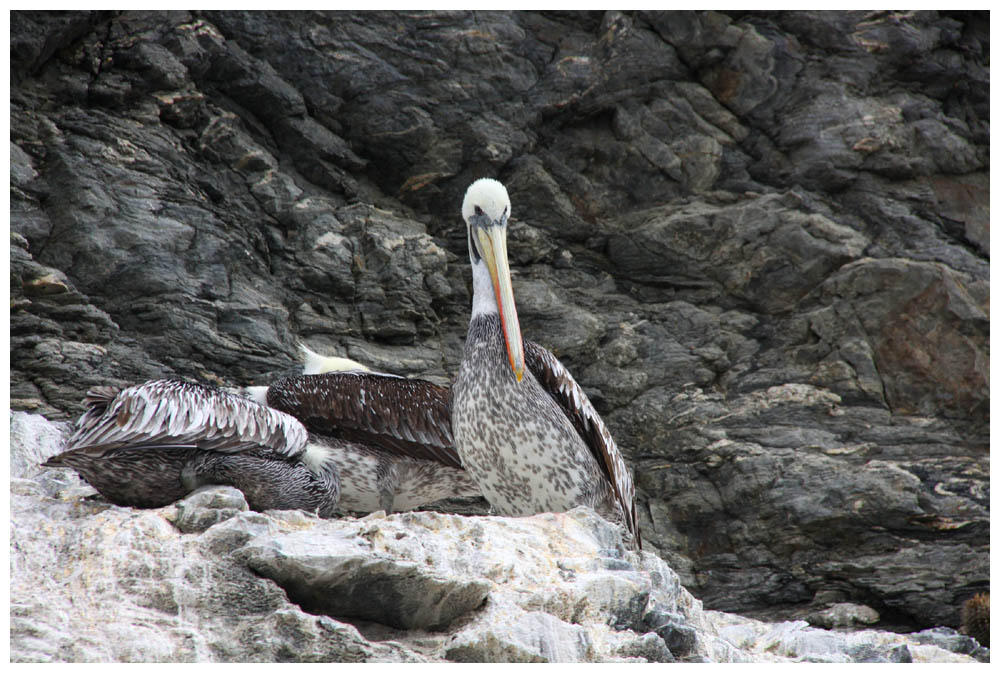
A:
<point x="164" y="414"/>
<point x="567" y="393"/>
<point x="407" y="417"/>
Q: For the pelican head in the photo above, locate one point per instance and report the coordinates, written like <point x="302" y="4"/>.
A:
<point x="486" y="209"/>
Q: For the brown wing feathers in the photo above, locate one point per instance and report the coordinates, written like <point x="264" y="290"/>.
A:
<point x="568" y="394"/>
<point x="405" y="416"/>
<point x="181" y="415"/>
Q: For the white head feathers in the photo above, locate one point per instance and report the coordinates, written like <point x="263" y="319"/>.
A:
<point x="488" y="195"/>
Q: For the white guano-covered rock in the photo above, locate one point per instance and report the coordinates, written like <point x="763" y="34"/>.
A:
<point x="94" y="582"/>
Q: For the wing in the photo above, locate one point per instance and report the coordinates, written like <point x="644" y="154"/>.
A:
<point x="568" y="394"/>
<point x="407" y="417"/>
<point x="177" y="414"/>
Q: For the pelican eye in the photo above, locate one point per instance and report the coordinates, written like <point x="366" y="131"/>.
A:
<point x="479" y="211"/>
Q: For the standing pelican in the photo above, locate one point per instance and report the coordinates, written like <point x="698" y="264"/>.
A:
<point x="523" y="427"/>
<point x="153" y="443"/>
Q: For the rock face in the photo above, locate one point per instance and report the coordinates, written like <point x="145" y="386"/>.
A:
<point x="95" y="582"/>
<point x="760" y="241"/>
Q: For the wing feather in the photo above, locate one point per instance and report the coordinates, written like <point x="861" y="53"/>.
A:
<point x="407" y="417"/>
<point x="178" y="414"/>
<point x="568" y="394"/>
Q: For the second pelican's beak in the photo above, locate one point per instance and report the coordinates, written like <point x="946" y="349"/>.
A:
<point x="493" y="244"/>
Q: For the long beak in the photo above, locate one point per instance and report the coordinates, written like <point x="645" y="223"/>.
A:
<point x="493" y="243"/>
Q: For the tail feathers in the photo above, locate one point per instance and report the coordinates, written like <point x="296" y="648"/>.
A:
<point x="55" y="461"/>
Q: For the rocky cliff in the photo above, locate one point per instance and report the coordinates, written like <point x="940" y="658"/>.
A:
<point x="760" y="241"/>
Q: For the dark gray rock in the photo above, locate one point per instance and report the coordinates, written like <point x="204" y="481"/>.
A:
<point x="679" y="638"/>
<point x="649" y="647"/>
<point x="901" y="655"/>
<point x="843" y="616"/>
<point x="208" y="506"/>
<point x="759" y="240"/>
<point x="953" y="641"/>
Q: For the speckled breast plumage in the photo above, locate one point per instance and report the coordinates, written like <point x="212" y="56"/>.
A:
<point x="514" y="440"/>
<point x="369" y="474"/>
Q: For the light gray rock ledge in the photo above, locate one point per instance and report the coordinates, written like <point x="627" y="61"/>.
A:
<point x="95" y="582"/>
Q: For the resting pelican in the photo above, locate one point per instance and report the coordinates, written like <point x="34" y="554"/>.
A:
<point x="152" y="444"/>
<point x="524" y="429"/>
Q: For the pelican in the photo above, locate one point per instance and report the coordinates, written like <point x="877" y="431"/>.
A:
<point x="151" y="444"/>
<point x="524" y="429"/>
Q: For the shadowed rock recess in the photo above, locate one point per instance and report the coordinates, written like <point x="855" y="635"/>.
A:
<point x="760" y="241"/>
